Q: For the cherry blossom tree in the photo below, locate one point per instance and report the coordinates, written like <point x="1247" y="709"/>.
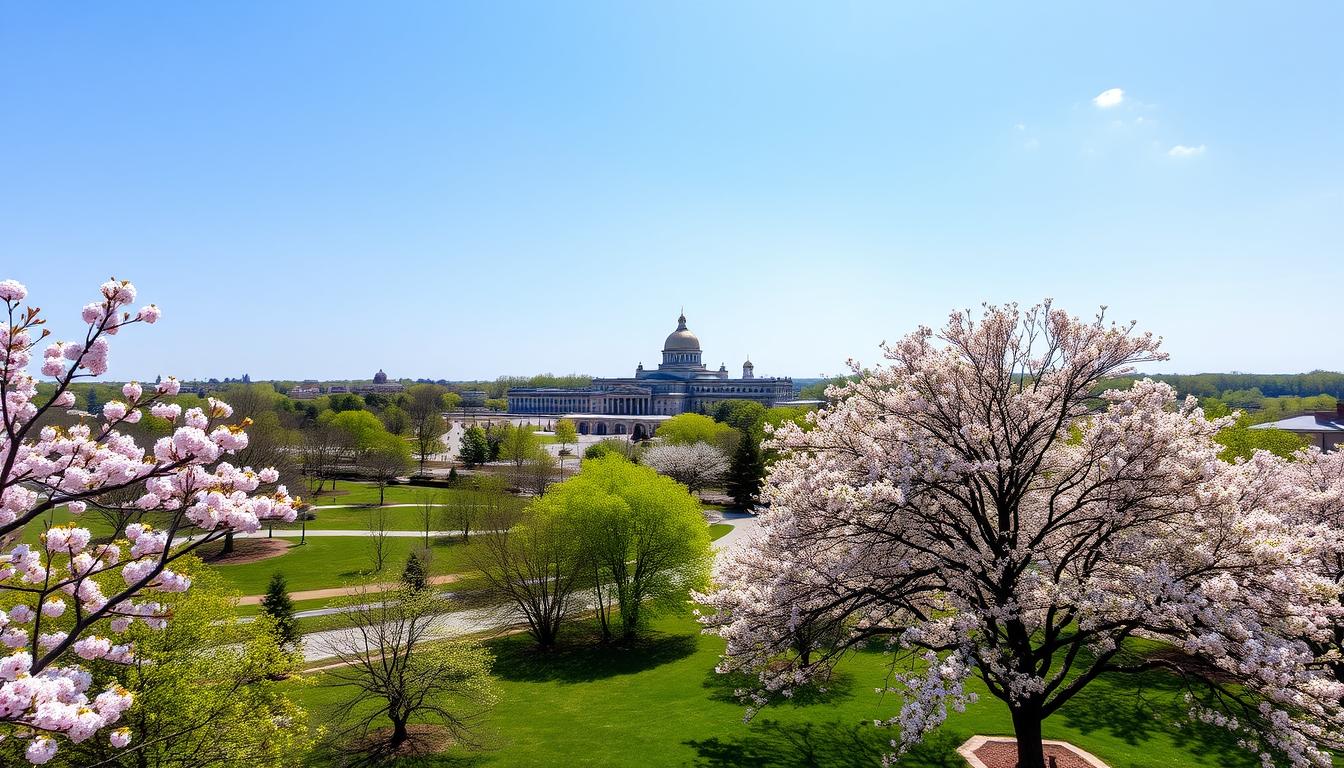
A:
<point x="694" y="465"/>
<point x="975" y="504"/>
<point x="69" y="595"/>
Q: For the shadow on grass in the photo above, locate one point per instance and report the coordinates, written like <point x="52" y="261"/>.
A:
<point x="582" y="660"/>
<point x="839" y="687"/>
<point x="804" y="745"/>
<point x="1135" y="708"/>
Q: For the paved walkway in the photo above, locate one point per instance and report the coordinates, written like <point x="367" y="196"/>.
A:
<point x="294" y="533"/>
<point x="334" y="592"/>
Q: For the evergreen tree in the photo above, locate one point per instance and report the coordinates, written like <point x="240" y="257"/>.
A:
<point x="416" y="575"/>
<point x="280" y="608"/>
<point x="475" y="447"/>
<point x="452" y="475"/>
<point x="746" y="472"/>
<point x="91" y="403"/>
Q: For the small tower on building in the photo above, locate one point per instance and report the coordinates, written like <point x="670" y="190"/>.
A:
<point x="748" y="370"/>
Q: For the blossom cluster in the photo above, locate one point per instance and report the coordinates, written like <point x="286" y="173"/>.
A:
<point x="70" y="598"/>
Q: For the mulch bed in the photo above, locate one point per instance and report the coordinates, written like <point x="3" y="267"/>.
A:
<point x="1003" y="754"/>
<point x="424" y="740"/>
<point x="244" y="551"/>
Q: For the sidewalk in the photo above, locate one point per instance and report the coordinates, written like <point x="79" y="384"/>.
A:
<point x="333" y="592"/>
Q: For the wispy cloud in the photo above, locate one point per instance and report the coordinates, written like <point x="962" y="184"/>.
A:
<point x="1109" y="98"/>
<point x="1181" y="150"/>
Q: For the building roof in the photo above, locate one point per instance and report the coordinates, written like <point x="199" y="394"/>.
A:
<point x="681" y="340"/>
<point x="1306" y="423"/>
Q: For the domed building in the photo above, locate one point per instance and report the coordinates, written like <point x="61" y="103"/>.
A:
<point x="681" y="383"/>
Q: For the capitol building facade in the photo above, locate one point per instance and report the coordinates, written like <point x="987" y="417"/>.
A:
<point x="681" y="384"/>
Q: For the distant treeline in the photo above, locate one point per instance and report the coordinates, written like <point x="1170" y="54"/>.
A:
<point x="1269" y="384"/>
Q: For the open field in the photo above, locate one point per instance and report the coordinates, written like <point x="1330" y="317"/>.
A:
<point x="353" y="493"/>
<point x="334" y="561"/>
<point x="661" y="705"/>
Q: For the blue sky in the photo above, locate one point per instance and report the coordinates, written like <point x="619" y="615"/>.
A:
<point x="466" y="190"/>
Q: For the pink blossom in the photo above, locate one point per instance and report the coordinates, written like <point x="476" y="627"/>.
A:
<point x="12" y="291"/>
<point x="149" y="314"/>
<point x="40" y="750"/>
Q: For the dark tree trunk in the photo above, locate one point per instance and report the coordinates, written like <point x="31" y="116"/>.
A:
<point x="1027" y="728"/>
<point x="399" y="734"/>
<point x="228" y="543"/>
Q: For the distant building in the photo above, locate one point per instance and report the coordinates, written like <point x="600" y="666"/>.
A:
<point x="380" y="385"/>
<point x="474" y="398"/>
<point x="1323" y="429"/>
<point x="305" y="391"/>
<point x="681" y="384"/>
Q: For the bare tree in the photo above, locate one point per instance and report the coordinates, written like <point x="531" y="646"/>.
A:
<point x="428" y="505"/>
<point x="533" y="571"/>
<point x="319" y="451"/>
<point x="385" y="461"/>
<point x="425" y="406"/>
<point x="383" y="653"/>
<point x="537" y="473"/>
<point x="483" y="499"/>
<point x="378" y="543"/>
<point x="697" y="465"/>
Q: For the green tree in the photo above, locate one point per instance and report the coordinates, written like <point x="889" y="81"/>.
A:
<point x="746" y="473"/>
<point x="644" y="537"/>
<point x="497" y="404"/>
<point x="206" y="690"/>
<point x="278" y="606"/>
<point x="416" y="573"/>
<point x="396" y="419"/>
<point x="535" y="568"/>
<point x="565" y="434"/>
<point x="475" y="447"/>
<point x="602" y="448"/>
<point x="691" y="428"/>
<point x="746" y="416"/>
<point x="358" y="430"/>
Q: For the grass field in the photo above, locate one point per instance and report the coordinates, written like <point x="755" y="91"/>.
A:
<point x="334" y="561"/>
<point x="660" y="704"/>
<point x="352" y="493"/>
<point x="398" y="518"/>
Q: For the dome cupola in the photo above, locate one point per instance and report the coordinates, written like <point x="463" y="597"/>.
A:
<point x="682" y="338"/>
<point x="681" y="350"/>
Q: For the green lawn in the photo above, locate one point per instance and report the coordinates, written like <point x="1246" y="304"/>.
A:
<point x="353" y="493"/>
<point x="662" y="705"/>
<point x="335" y="561"/>
<point x="398" y="518"/>
<point x="717" y="530"/>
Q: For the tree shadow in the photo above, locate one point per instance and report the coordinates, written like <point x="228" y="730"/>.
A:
<point x="839" y="687"/>
<point x="518" y="659"/>
<point x="1137" y="707"/>
<point x="816" y="745"/>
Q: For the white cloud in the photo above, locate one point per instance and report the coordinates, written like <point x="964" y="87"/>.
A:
<point x="1109" y="98"/>
<point x="1181" y="150"/>
<point x="1021" y="126"/>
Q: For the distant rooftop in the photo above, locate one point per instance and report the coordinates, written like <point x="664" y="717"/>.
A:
<point x="1320" y="421"/>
